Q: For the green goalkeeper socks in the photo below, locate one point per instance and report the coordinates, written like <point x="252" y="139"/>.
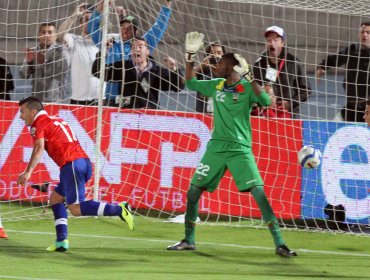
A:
<point x="258" y="193"/>
<point x="191" y="215"/>
<point x="268" y="214"/>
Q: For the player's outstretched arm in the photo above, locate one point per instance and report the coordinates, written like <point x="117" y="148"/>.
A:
<point x="193" y="43"/>
<point x="37" y="151"/>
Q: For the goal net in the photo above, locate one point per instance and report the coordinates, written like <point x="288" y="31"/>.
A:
<point x="148" y="157"/>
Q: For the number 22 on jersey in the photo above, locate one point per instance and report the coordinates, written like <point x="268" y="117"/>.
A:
<point x="220" y="96"/>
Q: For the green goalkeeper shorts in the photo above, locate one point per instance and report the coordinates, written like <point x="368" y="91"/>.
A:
<point x="221" y="156"/>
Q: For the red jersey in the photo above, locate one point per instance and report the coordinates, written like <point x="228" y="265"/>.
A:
<point x="60" y="142"/>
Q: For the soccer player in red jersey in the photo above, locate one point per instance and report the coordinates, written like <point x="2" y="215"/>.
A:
<point x="55" y="137"/>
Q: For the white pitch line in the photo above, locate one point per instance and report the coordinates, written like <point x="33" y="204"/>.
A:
<point x="204" y="243"/>
<point x="24" y="278"/>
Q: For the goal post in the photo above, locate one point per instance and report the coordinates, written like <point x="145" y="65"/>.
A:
<point x="148" y="157"/>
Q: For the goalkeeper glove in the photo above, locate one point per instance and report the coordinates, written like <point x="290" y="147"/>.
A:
<point x="243" y="68"/>
<point x="193" y="42"/>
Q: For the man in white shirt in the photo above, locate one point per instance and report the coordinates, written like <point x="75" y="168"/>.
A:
<point x="81" y="51"/>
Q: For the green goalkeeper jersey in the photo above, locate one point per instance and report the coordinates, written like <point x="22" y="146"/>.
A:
<point x="232" y="107"/>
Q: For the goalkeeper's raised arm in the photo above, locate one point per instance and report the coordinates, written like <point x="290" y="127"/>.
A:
<point x="244" y="70"/>
<point x="193" y="43"/>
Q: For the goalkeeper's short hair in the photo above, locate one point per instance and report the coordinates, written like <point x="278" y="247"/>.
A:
<point x="230" y="58"/>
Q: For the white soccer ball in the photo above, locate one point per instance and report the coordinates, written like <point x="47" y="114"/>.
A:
<point x="309" y="157"/>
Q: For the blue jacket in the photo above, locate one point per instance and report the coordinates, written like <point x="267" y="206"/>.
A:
<point x="114" y="54"/>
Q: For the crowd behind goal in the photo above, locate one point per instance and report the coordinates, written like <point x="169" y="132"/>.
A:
<point x="60" y="67"/>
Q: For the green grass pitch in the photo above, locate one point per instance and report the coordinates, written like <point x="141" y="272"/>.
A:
<point x="104" y="248"/>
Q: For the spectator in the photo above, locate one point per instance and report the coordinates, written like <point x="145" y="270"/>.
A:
<point x="214" y="51"/>
<point x="356" y="58"/>
<point x="283" y="70"/>
<point x="143" y="78"/>
<point x="118" y="49"/>
<point x="171" y="63"/>
<point x="274" y="110"/>
<point x="120" y="11"/>
<point x="367" y="113"/>
<point x="6" y="80"/>
<point x="47" y="65"/>
<point x="82" y="52"/>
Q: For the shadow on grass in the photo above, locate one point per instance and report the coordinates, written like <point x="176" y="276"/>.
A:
<point x="284" y="267"/>
<point x="144" y="261"/>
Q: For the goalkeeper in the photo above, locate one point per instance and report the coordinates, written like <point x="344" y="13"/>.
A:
<point x="231" y="145"/>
